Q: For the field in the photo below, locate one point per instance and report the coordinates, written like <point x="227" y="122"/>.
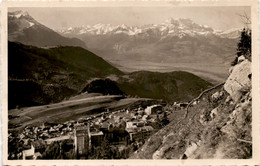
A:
<point x="77" y="107"/>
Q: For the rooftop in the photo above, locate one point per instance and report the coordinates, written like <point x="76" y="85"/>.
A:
<point x="96" y="133"/>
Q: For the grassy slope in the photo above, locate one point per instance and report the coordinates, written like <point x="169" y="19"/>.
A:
<point x="177" y="85"/>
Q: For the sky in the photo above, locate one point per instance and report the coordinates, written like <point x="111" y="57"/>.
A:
<point x="219" y="18"/>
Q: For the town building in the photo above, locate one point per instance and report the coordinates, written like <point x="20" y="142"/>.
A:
<point x="153" y="109"/>
<point x="96" y="138"/>
<point x="30" y="153"/>
<point x="140" y="133"/>
<point x="81" y="140"/>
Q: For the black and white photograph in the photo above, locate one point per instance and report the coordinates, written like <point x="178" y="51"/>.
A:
<point x="129" y="82"/>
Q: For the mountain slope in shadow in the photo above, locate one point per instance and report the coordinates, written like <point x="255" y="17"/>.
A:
<point x="39" y="76"/>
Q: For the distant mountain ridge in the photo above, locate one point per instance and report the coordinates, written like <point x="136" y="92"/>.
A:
<point x="23" y="28"/>
<point x="179" y="43"/>
<point x="174" y="27"/>
<point x="176" y="44"/>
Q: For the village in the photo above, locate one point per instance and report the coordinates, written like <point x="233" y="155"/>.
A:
<point x="121" y="128"/>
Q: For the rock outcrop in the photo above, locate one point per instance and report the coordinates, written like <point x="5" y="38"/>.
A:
<point x="219" y="126"/>
<point x="239" y="80"/>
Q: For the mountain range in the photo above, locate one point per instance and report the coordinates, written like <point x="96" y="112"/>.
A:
<point x="175" y="43"/>
<point x="25" y="29"/>
<point x="171" y="27"/>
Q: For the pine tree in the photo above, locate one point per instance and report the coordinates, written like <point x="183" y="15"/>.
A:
<point x="244" y="45"/>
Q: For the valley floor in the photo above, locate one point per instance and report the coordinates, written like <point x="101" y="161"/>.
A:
<point x="76" y="107"/>
<point x="212" y="73"/>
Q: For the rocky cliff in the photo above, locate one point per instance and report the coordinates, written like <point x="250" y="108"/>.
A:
<point x="218" y="124"/>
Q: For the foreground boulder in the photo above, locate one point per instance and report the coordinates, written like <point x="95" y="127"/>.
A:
<point x="239" y="80"/>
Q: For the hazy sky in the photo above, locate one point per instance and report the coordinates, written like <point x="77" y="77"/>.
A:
<point x="221" y="18"/>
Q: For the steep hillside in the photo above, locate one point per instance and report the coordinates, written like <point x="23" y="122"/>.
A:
<point x="218" y="124"/>
<point x="23" y="28"/>
<point x="41" y="76"/>
<point x="172" y="86"/>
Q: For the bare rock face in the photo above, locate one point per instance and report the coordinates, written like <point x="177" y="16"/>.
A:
<point x="239" y="80"/>
<point x="238" y="118"/>
<point x="191" y="149"/>
<point x="218" y="95"/>
<point x="241" y="59"/>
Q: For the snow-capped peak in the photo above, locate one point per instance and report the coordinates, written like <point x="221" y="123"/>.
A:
<point x="173" y="27"/>
<point x="230" y="33"/>
<point x="21" y="19"/>
<point x="18" y="14"/>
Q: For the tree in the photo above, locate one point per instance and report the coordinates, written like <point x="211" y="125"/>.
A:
<point x="245" y="19"/>
<point x="244" y="44"/>
<point x="165" y="119"/>
<point x="14" y="147"/>
<point x="105" y="149"/>
<point x="158" y="122"/>
<point x="53" y="151"/>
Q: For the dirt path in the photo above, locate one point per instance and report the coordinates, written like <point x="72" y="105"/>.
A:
<point x="198" y="98"/>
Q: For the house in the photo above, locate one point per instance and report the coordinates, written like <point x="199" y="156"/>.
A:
<point x="153" y="109"/>
<point x="21" y="136"/>
<point x="25" y="141"/>
<point x="29" y="153"/>
<point x="96" y="138"/>
<point x="130" y="124"/>
<point x="115" y="135"/>
<point x="140" y="133"/>
<point x="134" y="124"/>
<point x="61" y="138"/>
